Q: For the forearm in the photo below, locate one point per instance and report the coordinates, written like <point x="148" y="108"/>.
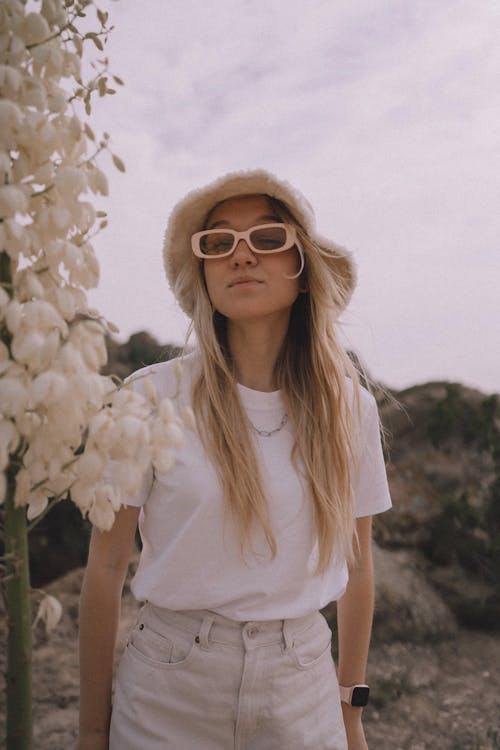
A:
<point x="99" y="618"/>
<point x="354" y="624"/>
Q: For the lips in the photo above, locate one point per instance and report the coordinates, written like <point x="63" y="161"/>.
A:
<point x="244" y="280"/>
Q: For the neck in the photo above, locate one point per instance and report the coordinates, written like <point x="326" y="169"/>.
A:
<point x="254" y="348"/>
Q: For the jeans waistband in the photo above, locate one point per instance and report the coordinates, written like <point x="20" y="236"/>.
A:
<point x="209" y="626"/>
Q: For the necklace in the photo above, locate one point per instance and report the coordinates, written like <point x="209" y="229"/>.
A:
<point x="268" y="433"/>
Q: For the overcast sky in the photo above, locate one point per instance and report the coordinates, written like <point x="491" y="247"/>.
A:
<point x="385" y="113"/>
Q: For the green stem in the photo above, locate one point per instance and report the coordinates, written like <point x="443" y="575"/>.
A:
<point x="17" y="590"/>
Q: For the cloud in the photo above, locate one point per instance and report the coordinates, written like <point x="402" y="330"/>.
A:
<point x="386" y="114"/>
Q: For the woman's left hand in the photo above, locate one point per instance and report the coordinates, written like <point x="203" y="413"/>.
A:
<point x="354" y="728"/>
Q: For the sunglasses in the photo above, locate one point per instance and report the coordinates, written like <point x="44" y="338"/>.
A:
<point x="264" y="239"/>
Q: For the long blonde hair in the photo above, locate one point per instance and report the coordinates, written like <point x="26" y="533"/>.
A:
<point x="311" y="371"/>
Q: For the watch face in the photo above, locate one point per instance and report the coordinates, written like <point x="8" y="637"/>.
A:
<point x="360" y="696"/>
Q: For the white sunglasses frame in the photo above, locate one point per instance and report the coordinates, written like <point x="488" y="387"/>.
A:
<point x="290" y="240"/>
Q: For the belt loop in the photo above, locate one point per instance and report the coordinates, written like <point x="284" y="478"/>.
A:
<point x="205" y="629"/>
<point x="287" y="634"/>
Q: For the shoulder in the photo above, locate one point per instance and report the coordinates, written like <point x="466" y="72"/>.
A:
<point x="364" y="415"/>
<point x="168" y="377"/>
<point x="367" y="403"/>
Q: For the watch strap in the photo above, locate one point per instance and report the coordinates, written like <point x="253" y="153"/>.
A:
<point x="355" y="695"/>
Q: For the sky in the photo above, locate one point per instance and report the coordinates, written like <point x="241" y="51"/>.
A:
<point x="384" y="113"/>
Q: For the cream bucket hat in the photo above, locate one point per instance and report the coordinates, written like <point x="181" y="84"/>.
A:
<point x="189" y="216"/>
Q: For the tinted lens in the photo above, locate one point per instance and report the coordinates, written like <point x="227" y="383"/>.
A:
<point x="216" y="243"/>
<point x="268" y="239"/>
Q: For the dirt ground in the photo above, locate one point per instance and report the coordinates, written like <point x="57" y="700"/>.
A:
<point x="442" y="696"/>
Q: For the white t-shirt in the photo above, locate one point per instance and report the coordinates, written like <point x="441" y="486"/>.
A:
<point x="191" y="556"/>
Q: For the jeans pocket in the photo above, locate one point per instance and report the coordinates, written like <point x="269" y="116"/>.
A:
<point x="168" y="649"/>
<point x="312" y="646"/>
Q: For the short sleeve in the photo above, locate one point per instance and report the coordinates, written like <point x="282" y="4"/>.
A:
<point x="370" y="487"/>
<point x="139" y="498"/>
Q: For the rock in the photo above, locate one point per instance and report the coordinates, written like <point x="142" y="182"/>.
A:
<point x="476" y="603"/>
<point x="440" y="444"/>
<point x="407" y="607"/>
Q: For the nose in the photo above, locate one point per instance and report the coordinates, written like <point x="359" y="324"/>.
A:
<point x="243" y="255"/>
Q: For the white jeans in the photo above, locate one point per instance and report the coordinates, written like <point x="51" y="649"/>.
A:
<point x="199" y="681"/>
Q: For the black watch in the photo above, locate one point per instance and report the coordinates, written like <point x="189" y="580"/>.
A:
<point x="356" y="695"/>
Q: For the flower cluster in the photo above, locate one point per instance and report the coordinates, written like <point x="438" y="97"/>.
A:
<point x="61" y="422"/>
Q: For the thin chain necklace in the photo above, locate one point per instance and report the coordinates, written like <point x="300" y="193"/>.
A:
<point x="268" y="433"/>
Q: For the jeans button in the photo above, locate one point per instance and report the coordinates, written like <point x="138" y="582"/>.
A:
<point x="252" y="631"/>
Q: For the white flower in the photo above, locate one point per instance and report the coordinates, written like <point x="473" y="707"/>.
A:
<point x="55" y="60"/>
<point x="44" y="174"/>
<point x="83" y="495"/>
<point x="101" y="430"/>
<point x="90" y="466"/>
<point x="102" y="514"/>
<point x="53" y="11"/>
<point x="12" y="200"/>
<point x="112" y="494"/>
<point x="163" y="460"/>
<point x="13" y="316"/>
<point x="98" y="182"/>
<point x="67" y="301"/>
<point x="16" y="238"/>
<point x="71" y="65"/>
<point x="11" y="119"/>
<point x="49" y="612"/>
<point x="150" y="391"/>
<point x="129" y="430"/>
<point x="70" y="181"/>
<point x="5" y="167"/>
<point x="84" y="216"/>
<point x="13" y="397"/>
<point x="37" y="503"/>
<point x="28" y="423"/>
<point x="9" y="440"/>
<point x="10" y="80"/>
<point x="128" y="477"/>
<point x="58" y="485"/>
<point x="28" y="284"/>
<point x="57" y="101"/>
<point x="34" y="95"/>
<point x="60" y="218"/>
<point x="74" y="129"/>
<point x="166" y="410"/>
<point x="4" y="357"/>
<point x="39" y="314"/>
<point x="173" y="435"/>
<point x="188" y="418"/>
<point x="178" y="370"/>
<point x="72" y="421"/>
<point x="4" y="301"/>
<point x="35" y="29"/>
<point x="32" y="349"/>
<point x="49" y="387"/>
<point x="16" y="49"/>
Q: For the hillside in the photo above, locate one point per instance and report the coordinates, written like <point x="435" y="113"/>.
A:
<point x="436" y="641"/>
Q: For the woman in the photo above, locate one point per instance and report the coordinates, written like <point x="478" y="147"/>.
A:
<point x="266" y="514"/>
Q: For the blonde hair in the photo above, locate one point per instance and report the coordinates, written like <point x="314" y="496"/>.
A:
<point x="311" y="371"/>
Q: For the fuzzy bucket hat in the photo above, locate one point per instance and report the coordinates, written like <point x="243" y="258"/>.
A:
<point x="189" y="216"/>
